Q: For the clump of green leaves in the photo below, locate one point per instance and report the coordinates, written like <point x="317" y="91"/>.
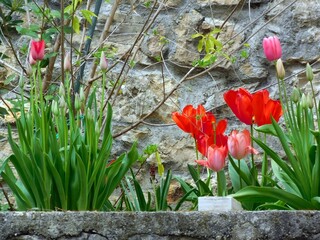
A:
<point x="210" y="45"/>
<point x="9" y="13"/>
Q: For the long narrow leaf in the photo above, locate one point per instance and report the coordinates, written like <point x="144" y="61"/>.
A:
<point x="269" y="194"/>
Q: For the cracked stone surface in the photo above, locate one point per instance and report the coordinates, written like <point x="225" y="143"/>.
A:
<point x="160" y="225"/>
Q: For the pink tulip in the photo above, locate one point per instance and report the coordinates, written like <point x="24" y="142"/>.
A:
<point x="239" y="144"/>
<point x="216" y="158"/>
<point x="31" y="60"/>
<point x="103" y="62"/>
<point x="272" y="48"/>
<point x="36" y="50"/>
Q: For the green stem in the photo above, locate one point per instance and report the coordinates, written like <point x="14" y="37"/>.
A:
<point x="239" y="165"/>
<point x="221" y="183"/>
<point x="253" y="166"/>
<point x="197" y="155"/>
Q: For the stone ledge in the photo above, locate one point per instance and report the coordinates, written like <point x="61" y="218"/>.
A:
<point x="160" y="225"/>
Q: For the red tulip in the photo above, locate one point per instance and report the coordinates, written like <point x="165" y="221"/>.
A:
<point x="37" y="50"/>
<point x="212" y="136"/>
<point x="240" y="102"/>
<point x="216" y="158"/>
<point x="239" y="144"/>
<point x="272" y="48"/>
<point x="191" y="119"/>
<point x="264" y="108"/>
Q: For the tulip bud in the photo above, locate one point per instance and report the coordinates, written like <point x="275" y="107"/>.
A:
<point x="54" y="108"/>
<point x="309" y="101"/>
<point x="62" y="92"/>
<point x="303" y="101"/>
<point x="29" y="70"/>
<point x="295" y="95"/>
<point x="77" y="102"/>
<point x="103" y="62"/>
<point x="280" y="69"/>
<point x="62" y="103"/>
<point x="309" y="72"/>
<point x="82" y="95"/>
<point x="67" y="62"/>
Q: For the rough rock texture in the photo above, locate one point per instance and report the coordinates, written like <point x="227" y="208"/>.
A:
<point x="160" y="225"/>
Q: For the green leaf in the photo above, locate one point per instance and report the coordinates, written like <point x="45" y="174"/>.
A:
<point x="88" y="15"/>
<point x="31" y="31"/>
<point x="267" y="194"/>
<point x="76" y="24"/>
<point x="235" y="174"/>
<point x="197" y="35"/>
<point x="267" y="128"/>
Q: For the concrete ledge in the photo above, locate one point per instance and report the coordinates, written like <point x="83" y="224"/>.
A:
<point x="160" y="225"/>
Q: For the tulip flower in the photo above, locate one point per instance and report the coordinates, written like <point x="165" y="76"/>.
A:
<point x="264" y="108"/>
<point x="239" y="144"/>
<point x="36" y="50"/>
<point x="240" y="102"/>
<point x="253" y="108"/>
<point x="190" y="120"/>
<point x="212" y="136"/>
<point x="216" y="158"/>
<point x="272" y="48"/>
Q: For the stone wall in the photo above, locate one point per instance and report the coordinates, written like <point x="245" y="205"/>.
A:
<point x="296" y="23"/>
<point x="160" y="225"/>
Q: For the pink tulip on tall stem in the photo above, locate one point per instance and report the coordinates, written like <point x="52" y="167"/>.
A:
<point x="272" y="48"/>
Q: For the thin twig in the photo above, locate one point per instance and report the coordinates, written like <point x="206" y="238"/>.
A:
<point x="158" y="105"/>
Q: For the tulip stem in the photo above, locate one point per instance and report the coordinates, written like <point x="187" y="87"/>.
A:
<point x="253" y="166"/>
<point x="221" y="183"/>
<point x="239" y="165"/>
<point x="197" y="155"/>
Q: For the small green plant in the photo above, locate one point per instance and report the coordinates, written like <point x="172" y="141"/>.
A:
<point x="210" y="45"/>
<point x="135" y="199"/>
